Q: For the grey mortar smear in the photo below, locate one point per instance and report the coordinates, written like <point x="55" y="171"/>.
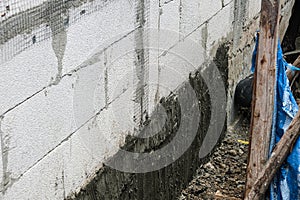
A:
<point x="58" y="22"/>
<point x="59" y="43"/>
<point x="141" y="64"/>
<point x="7" y="180"/>
<point x="54" y="14"/>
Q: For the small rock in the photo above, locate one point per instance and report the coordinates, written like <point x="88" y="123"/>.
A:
<point x="209" y="166"/>
<point x="223" y="166"/>
<point x="240" y="186"/>
<point x="206" y="175"/>
<point x="241" y="151"/>
<point x="232" y="152"/>
<point x="242" y="182"/>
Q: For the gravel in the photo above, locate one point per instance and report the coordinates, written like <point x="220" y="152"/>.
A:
<point x="223" y="176"/>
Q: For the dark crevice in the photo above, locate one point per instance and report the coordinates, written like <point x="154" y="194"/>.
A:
<point x="293" y="31"/>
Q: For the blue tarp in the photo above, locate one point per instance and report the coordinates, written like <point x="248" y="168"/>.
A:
<point x="286" y="183"/>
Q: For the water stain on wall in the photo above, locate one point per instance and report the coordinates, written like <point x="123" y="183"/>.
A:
<point x="58" y="22"/>
<point x="7" y="180"/>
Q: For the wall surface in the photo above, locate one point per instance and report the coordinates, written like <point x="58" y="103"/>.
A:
<point x="78" y="77"/>
<point x="245" y="25"/>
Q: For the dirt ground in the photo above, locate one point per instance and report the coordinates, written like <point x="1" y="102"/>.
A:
<point x="223" y="176"/>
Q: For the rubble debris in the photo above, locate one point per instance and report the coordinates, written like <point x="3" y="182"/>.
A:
<point x="226" y="179"/>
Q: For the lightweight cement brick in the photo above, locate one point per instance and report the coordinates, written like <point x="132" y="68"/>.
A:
<point x="216" y="32"/>
<point x="254" y="8"/>
<point x="46" y="180"/>
<point x="97" y="31"/>
<point x="26" y="74"/>
<point x="88" y="96"/>
<point x="38" y="125"/>
<point x="195" y="13"/>
<point x="169" y="18"/>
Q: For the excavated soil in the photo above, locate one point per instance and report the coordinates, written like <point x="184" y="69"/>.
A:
<point x="223" y="176"/>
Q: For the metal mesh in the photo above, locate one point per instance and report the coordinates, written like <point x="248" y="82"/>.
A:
<point x="12" y="7"/>
<point x="24" y="23"/>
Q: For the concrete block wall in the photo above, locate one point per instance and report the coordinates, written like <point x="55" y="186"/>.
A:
<point x="55" y="99"/>
<point x="71" y="72"/>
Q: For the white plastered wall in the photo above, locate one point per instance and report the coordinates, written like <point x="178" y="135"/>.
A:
<point x="53" y="136"/>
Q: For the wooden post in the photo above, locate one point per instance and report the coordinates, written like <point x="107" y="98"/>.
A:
<point x="276" y="159"/>
<point x="263" y="91"/>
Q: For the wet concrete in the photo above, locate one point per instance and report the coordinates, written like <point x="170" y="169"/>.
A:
<point x="221" y="61"/>
<point x="168" y="182"/>
<point x="165" y="183"/>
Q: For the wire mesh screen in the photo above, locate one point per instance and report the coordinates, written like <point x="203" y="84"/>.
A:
<point x="23" y="23"/>
<point x="12" y="7"/>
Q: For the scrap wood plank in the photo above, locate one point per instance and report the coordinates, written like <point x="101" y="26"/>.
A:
<point x="279" y="154"/>
<point x="263" y="91"/>
<point x="293" y="74"/>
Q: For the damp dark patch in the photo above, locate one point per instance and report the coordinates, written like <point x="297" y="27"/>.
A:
<point x="168" y="182"/>
<point x="163" y="137"/>
<point x="34" y="39"/>
<point x="82" y="12"/>
<point x="221" y="61"/>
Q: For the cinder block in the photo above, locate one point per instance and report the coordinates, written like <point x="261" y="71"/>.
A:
<point x="219" y="26"/>
<point x="46" y="180"/>
<point x="88" y="96"/>
<point x="169" y="17"/>
<point x="174" y="67"/>
<point x="254" y="7"/>
<point x="97" y="31"/>
<point x="120" y="67"/>
<point x="154" y="13"/>
<point x="208" y="9"/>
<point x="69" y="165"/>
<point x="26" y="74"/>
<point x="195" y="13"/>
<point x="38" y="125"/>
<point x="225" y="2"/>
<point x="96" y="141"/>
<point x="200" y="36"/>
<point x="170" y="67"/>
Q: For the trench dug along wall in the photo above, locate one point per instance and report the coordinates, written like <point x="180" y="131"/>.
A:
<point x="165" y="183"/>
<point x="66" y="78"/>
